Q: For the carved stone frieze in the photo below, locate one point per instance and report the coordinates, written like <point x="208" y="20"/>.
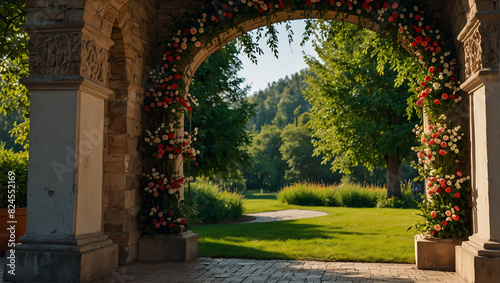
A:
<point x="472" y="49"/>
<point x="489" y="43"/>
<point x="55" y="54"/>
<point x="95" y="65"/>
<point x="67" y="54"/>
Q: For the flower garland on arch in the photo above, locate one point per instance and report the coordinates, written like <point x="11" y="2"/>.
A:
<point x="167" y="100"/>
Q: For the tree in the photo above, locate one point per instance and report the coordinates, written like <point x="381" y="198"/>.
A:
<point x="268" y="169"/>
<point x="297" y="151"/>
<point x="221" y="116"/>
<point x="14" y="66"/>
<point x="359" y="104"/>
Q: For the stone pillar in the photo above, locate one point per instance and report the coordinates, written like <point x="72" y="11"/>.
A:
<point x="64" y="241"/>
<point x="478" y="259"/>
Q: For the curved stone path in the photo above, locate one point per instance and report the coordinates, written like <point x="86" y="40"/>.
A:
<point x="282" y="215"/>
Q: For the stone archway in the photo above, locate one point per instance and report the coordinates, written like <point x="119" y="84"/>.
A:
<point x="74" y="146"/>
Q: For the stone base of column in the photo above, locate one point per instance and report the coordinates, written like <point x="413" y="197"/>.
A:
<point x="478" y="260"/>
<point x="80" y="259"/>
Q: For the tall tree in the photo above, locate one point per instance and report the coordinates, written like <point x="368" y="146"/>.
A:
<point x="359" y="104"/>
<point x="14" y="97"/>
<point x="268" y="169"/>
<point x="222" y="116"/>
<point x="297" y="151"/>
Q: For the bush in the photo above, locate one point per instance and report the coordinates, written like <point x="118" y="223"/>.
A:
<point x="305" y="194"/>
<point x="17" y="163"/>
<point x="353" y="195"/>
<point x="350" y="195"/>
<point x="408" y="198"/>
<point x="214" y="204"/>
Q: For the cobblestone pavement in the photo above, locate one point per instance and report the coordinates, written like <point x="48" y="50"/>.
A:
<point x="273" y="271"/>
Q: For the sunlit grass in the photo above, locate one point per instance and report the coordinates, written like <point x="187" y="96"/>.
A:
<point x="346" y="234"/>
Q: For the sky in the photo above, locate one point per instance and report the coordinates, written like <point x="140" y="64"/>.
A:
<point x="270" y="69"/>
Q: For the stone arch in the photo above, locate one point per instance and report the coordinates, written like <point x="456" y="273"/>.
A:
<point x="254" y="23"/>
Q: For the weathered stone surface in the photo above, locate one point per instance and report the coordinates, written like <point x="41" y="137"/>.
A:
<point x="175" y="247"/>
<point x="435" y="254"/>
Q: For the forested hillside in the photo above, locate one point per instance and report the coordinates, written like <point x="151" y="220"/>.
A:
<point x="281" y="148"/>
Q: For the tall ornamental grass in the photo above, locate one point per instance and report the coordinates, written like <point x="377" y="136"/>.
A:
<point x="215" y="204"/>
<point x="346" y="195"/>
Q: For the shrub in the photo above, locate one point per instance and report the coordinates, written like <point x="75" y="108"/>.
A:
<point x="408" y="199"/>
<point x="354" y="195"/>
<point x="214" y="204"/>
<point x="17" y="163"/>
<point x="350" y="195"/>
<point x="305" y="194"/>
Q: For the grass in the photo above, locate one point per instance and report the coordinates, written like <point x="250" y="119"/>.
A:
<point x="346" y="234"/>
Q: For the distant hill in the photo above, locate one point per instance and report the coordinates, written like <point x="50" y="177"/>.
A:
<point x="280" y="103"/>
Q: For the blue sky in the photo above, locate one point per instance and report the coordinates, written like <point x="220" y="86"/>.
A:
<point x="270" y="69"/>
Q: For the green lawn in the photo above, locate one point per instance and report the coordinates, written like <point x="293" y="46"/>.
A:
<point x="346" y="234"/>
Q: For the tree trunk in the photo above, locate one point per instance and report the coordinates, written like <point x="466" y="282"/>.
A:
<point x="393" y="163"/>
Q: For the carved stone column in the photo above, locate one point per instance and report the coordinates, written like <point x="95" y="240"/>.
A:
<point x="64" y="241"/>
<point x="478" y="259"/>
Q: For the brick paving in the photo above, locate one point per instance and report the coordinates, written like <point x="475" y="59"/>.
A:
<point x="273" y="271"/>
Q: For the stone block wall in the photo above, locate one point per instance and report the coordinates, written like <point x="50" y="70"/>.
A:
<point x="134" y="37"/>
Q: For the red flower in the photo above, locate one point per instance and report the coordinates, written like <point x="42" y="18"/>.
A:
<point x="173" y="86"/>
<point x="451" y="97"/>
<point x="435" y="135"/>
<point x="183" y="221"/>
<point x="443" y="144"/>
<point x="177" y="76"/>
<point x="171" y="135"/>
<point x="444" y="96"/>
<point x="147" y="108"/>
<point x="459" y="173"/>
<point x="420" y="102"/>
<point x="418" y="29"/>
<point x="448" y="190"/>
<point x="427" y="78"/>
<point x="442" y="152"/>
<point x="417" y="17"/>
<point x="444" y="223"/>
<point x="456" y="208"/>
<point x="457" y="195"/>
<point x="171" y="213"/>
<point x="171" y="225"/>
<point x="418" y="39"/>
<point x="431" y="69"/>
<point x="432" y="232"/>
<point x="431" y="142"/>
<point x="436" y="101"/>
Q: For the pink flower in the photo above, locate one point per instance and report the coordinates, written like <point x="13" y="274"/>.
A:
<point x="433" y="214"/>
<point x="448" y="213"/>
<point x="459" y="173"/>
<point x="437" y="227"/>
